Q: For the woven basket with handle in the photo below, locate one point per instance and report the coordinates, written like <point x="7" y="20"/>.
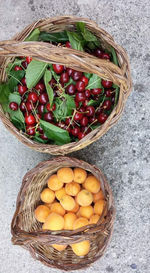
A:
<point x="27" y="232"/>
<point x="77" y="60"/>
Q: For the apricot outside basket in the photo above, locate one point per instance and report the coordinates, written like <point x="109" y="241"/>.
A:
<point x="27" y="232"/>
<point x="72" y="58"/>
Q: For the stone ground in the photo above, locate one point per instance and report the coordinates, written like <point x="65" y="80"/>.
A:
<point x="123" y="153"/>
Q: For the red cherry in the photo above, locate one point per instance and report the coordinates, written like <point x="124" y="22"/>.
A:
<point x="48" y="116"/>
<point x="30" y="119"/>
<point x="78" y="116"/>
<point x="22" y="89"/>
<point x="33" y="97"/>
<point x="87" y="93"/>
<point x="86" y="129"/>
<point x="17" y="68"/>
<point x="90" y="111"/>
<point x="80" y="97"/>
<point x="23" y="81"/>
<point x="76" y="75"/>
<point x="85" y="80"/>
<point x="22" y="107"/>
<point x="80" y="86"/>
<point x="68" y="44"/>
<point x="107" y="84"/>
<point x="85" y="103"/>
<point x="82" y="109"/>
<point x="52" y="82"/>
<point x="28" y="59"/>
<point x="99" y="111"/>
<point x="77" y="104"/>
<point x="13" y="106"/>
<point x="108" y="93"/>
<point x="30" y="130"/>
<point x="67" y="121"/>
<point x="24" y="64"/>
<point x="113" y="100"/>
<point x="105" y="56"/>
<point x="58" y="68"/>
<point x="75" y="131"/>
<point x="38" y="116"/>
<point x="98" y="53"/>
<point x="69" y="129"/>
<point x="81" y="135"/>
<point x="41" y="109"/>
<point x="84" y="121"/>
<point x="44" y="137"/>
<point x="107" y="105"/>
<point x="49" y="108"/>
<point x="40" y="87"/>
<point x="69" y="71"/>
<point x="102" y="117"/>
<point x="71" y="89"/>
<point x="40" y="130"/>
<point x="61" y="124"/>
<point x="29" y="106"/>
<point x="92" y="119"/>
<point x="64" y="78"/>
<point x="43" y="98"/>
<point x="96" y="91"/>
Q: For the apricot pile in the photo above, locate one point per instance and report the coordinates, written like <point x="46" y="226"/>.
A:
<point x="72" y="199"/>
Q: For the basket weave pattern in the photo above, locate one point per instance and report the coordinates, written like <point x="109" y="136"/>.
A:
<point x="27" y="231"/>
<point x="77" y="60"/>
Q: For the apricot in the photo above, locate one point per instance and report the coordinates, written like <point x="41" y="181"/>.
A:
<point x="59" y="247"/>
<point x="54" y="183"/>
<point x="67" y="202"/>
<point x="82" y="248"/>
<point x="99" y="206"/>
<point x="72" y="188"/>
<point x="65" y="175"/>
<point x="86" y="212"/>
<point x="57" y="207"/>
<point x="47" y="196"/>
<point x="69" y="219"/>
<point x="41" y="213"/>
<point x="76" y="208"/>
<point x="54" y="222"/>
<point x="84" y="198"/>
<point x="80" y="222"/>
<point x="59" y="194"/>
<point x="92" y="184"/>
<point x="98" y="196"/>
<point x="79" y="175"/>
<point x="94" y="219"/>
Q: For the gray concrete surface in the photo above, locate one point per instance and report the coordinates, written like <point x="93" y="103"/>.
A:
<point x="123" y="153"/>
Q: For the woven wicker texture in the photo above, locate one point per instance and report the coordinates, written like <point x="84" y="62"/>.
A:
<point x="78" y="60"/>
<point x="27" y="232"/>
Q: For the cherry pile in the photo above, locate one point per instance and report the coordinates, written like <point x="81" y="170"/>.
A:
<point x="35" y="103"/>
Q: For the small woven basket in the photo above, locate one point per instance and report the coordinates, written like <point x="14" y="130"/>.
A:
<point x="75" y="59"/>
<point x="27" y="232"/>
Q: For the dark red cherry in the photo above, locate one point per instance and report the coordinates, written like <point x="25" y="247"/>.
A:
<point x="23" y="107"/>
<point x="96" y="91"/>
<point x="41" y="109"/>
<point x="48" y="107"/>
<point x="58" y="68"/>
<point x="85" y="80"/>
<point x="28" y="59"/>
<point x="22" y="89"/>
<point x="81" y="135"/>
<point x="23" y="81"/>
<point x="44" y="137"/>
<point x="13" y="106"/>
<point x="68" y="44"/>
<point x="108" y="93"/>
<point x="105" y="56"/>
<point x="52" y="82"/>
<point x="85" y="103"/>
<point x="82" y="109"/>
<point x="80" y="97"/>
<point x="30" y="119"/>
<point x="102" y="117"/>
<point x="24" y="64"/>
<point x="40" y="130"/>
<point x="64" y="78"/>
<point x="78" y="116"/>
<point x="69" y="71"/>
<point x="107" y="105"/>
<point x="17" y="68"/>
<point x="43" y="98"/>
<point x="90" y="111"/>
<point x="40" y="87"/>
<point x="107" y="84"/>
<point x="87" y="93"/>
<point x="48" y="116"/>
<point x="33" y="97"/>
<point x="75" y="131"/>
<point x="92" y="119"/>
<point x="76" y="75"/>
<point x="84" y="121"/>
<point x="98" y="53"/>
<point x="30" y="130"/>
<point x="80" y="86"/>
<point x="71" y="89"/>
<point x="29" y="106"/>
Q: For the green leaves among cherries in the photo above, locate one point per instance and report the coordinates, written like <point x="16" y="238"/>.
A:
<point x="94" y="82"/>
<point x="47" y="78"/>
<point x="35" y="72"/>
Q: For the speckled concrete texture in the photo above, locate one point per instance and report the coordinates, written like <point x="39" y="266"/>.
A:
<point x="123" y="153"/>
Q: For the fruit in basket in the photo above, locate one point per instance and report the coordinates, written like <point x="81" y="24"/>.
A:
<point x="79" y="175"/>
<point x="99" y="206"/>
<point x="60" y="193"/>
<point x="46" y="96"/>
<point x="72" y="188"/>
<point x="98" y="196"/>
<point x="67" y="202"/>
<point x="69" y="219"/>
<point x="59" y="247"/>
<point x="47" y="196"/>
<point x="80" y="222"/>
<point x="57" y="207"/>
<point x="92" y="184"/>
<point x="86" y="212"/>
<point x="94" y="219"/>
<point x="54" y="183"/>
<point x="84" y="198"/>
<point x="54" y="222"/>
<point x="41" y="213"/>
<point x="82" y="248"/>
<point x="65" y="175"/>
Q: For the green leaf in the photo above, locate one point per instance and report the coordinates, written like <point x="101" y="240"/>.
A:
<point x="4" y="95"/>
<point x="70" y="104"/>
<point x="93" y="127"/>
<point x="47" y="78"/>
<point x="94" y="82"/>
<point x="116" y="93"/>
<point x="80" y="26"/>
<point x="38" y="139"/>
<point x="34" y="36"/>
<point x="114" y="55"/>
<point x="61" y="111"/>
<point x="71" y="81"/>
<point x="88" y="75"/>
<point x="14" y="78"/>
<point x="15" y="97"/>
<point x="17" y="119"/>
<point x="55" y="133"/>
<point x="87" y="35"/>
<point x="54" y="37"/>
<point x="35" y="72"/>
<point x="76" y="40"/>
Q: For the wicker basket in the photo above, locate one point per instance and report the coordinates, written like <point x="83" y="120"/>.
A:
<point x="78" y="60"/>
<point x="26" y="230"/>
